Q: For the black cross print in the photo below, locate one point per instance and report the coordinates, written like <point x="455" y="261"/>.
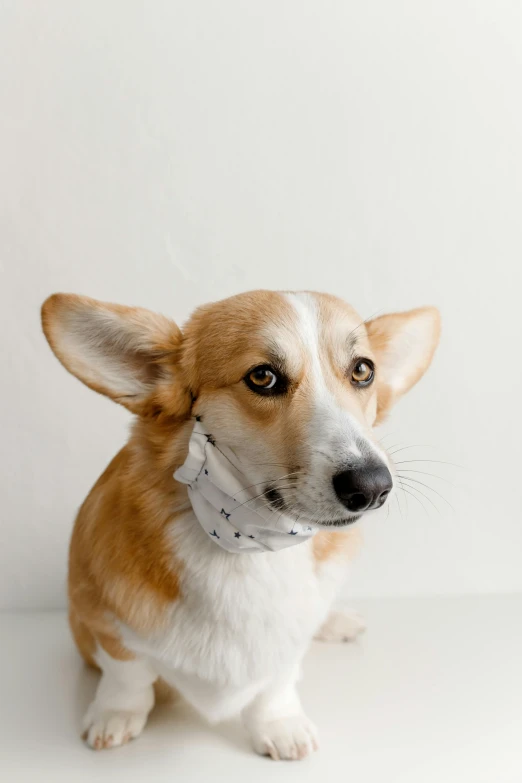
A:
<point x="251" y="536"/>
<point x="292" y="533"/>
<point x="214" y="534"/>
<point x="206" y="472"/>
<point x="224" y="514"/>
<point x="198" y="418"/>
<point x="237" y="535"/>
<point x="210" y="439"/>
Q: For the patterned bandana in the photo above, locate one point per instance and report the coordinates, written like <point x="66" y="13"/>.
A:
<point x="229" y="510"/>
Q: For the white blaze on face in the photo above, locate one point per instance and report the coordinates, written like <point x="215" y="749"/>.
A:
<point x="337" y="434"/>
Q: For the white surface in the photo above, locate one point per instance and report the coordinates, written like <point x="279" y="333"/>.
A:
<point x="169" y="153"/>
<point x="432" y="693"/>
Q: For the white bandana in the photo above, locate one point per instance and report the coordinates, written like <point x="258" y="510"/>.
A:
<point x="226" y="507"/>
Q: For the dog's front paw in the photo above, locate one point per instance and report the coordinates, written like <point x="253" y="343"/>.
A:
<point x="341" y="627"/>
<point x="110" y="728"/>
<point x="290" y="738"/>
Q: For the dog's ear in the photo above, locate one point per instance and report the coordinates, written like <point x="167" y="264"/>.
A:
<point x="404" y="344"/>
<point x="127" y="353"/>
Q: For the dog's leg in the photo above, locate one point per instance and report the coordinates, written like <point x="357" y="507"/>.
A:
<point x="124" y="698"/>
<point x="277" y="724"/>
<point x="341" y="626"/>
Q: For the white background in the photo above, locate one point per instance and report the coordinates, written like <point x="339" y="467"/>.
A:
<point x="170" y="153"/>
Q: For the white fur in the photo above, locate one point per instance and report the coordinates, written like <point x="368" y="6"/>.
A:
<point x="243" y="622"/>
<point x="233" y="645"/>
<point x="122" y="703"/>
<point x="336" y="438"/>
<point x="277" y="724"/>
<point x="342" y="626"/>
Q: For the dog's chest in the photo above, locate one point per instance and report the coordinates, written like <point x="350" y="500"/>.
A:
<point x="241" y="618"/>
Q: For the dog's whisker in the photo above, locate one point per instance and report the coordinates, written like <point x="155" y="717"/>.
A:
<point x="388" y="435"/>
<point x="261" y="494"/>
<point x="399" y="506"/>
<point x="426" y="473"/>
<point x="324" y="454"/>
<point x="277" y="464"/>
<point x="279" y="478"/>
<point x="417" y="499"/>
<point x="413" y="446"/>
<point x="414" y="489"/>
<point x="387" y="449"/>
<point x="238" y="467"/>
<point x="439" y="461"/>
<point x="430" y="488"/>
<point x="406" y="504"/>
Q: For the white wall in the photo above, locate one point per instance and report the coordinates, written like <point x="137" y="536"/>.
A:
<point x="170" y="153"/>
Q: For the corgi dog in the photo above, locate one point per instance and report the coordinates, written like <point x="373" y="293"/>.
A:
<point x="209" y="553"/>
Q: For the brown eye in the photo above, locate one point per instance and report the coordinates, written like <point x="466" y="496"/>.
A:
<point x="263" y="380"/>
<point x="362" y="373"/>
<point x="264" y="377"/>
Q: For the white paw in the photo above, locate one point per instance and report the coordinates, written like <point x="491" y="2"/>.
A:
<point x="110" y="728"/>
<point x="341" y="627"/>
<point x="285" y="739"/>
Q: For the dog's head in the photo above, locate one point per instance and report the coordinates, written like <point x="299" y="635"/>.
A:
<point x="292" y="383"/>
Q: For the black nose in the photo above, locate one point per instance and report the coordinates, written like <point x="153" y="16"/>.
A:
<point x="364" y="487"/>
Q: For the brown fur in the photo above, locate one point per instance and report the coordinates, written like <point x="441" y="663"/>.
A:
<point x="121" y="562"/>
<point x="337" y="543"/>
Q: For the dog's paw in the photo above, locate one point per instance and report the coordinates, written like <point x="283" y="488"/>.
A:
<point x="110" y="728"/>
<point x="341" y="627"/>
<point x="288" y="739"/>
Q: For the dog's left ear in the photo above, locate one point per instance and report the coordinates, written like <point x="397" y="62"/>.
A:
<point x="404" y="344"/>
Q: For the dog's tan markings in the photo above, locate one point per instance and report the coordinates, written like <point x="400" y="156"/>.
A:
<point x="342" y="337"/>
<point x="121" y="546"/>
<point x="83" y="637"/>
<point x="225" y="339"/>
<point x="121" y="561"/>
<point x="391" y="343"/>
<point x="126" y="353"/>
<point x="101" y="631"/>
<point x="343" y="544"/>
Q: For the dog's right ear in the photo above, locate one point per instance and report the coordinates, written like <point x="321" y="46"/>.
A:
<point x="127" y="353"/>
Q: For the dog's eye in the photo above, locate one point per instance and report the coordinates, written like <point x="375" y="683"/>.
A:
<point x="262" y="379"/>
<point x="362" y="372"/>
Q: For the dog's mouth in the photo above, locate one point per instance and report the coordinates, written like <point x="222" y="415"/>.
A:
<point x="278" y="503"/>
<point x="340" y="522"/>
